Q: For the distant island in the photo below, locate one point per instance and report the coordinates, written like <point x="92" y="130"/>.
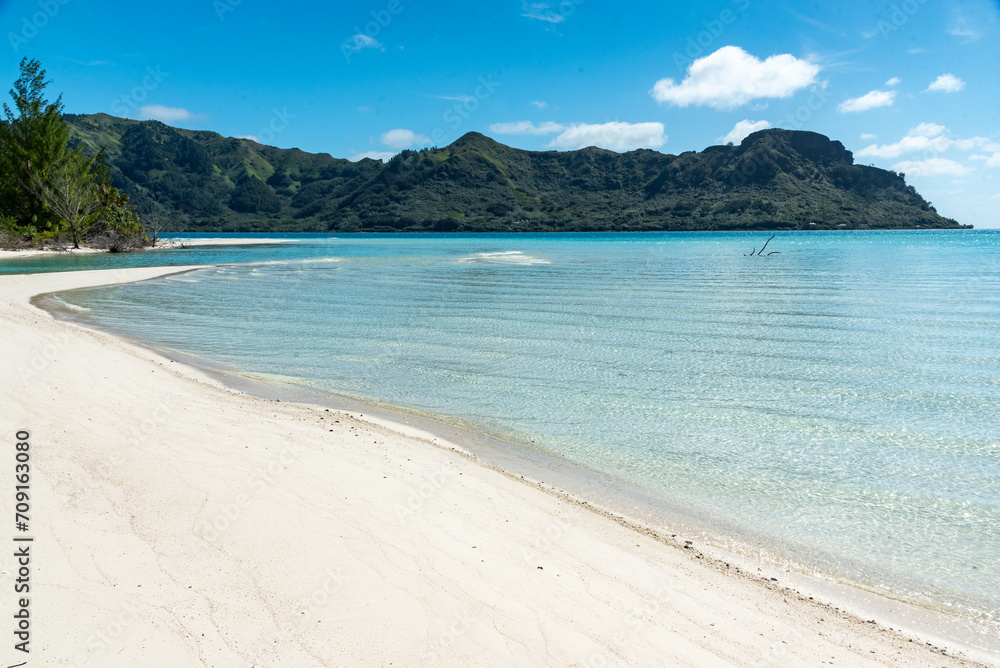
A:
<point x="774" y="180"/>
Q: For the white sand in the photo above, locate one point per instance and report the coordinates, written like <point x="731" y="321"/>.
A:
<point x="177" y="523"/>
<point x="14" y="254"/>
<point x="163" y="244"/>
<point x="177" y="242"/>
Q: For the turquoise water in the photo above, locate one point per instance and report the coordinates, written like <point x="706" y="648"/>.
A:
<point x="836" y="403"/>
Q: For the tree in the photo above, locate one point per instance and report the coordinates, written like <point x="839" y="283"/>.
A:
<point x="116" y="225"/>
<point x="156" y="220"/>
<point x="253" y="196"/>
<point x="68" y="187"/>
<point x="119" y="229"/>
<point x="32" y="138"/>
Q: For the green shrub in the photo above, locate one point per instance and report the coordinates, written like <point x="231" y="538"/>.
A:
<point x="17" y="237"/>
<point x="118" y="229"/>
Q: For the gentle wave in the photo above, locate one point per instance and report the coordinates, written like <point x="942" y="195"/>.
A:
<point x="63" y="304"/>
<point x="312" y="260"/>
<point x="504" y="257"/>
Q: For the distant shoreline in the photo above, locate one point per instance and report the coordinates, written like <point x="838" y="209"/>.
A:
<point x="178" y="240"/>
<point x="167" y="243"/>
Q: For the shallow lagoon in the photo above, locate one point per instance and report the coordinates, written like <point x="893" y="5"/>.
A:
<point x="835" y="403"/>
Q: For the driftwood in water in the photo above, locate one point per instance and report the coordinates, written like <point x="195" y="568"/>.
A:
<point x="762" y="249"/>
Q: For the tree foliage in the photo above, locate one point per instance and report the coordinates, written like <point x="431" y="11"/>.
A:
<point x="33" y="137"/>
<point x="775" y="179"/>
<point x="254" y="196"/>
<point x="47" y="186"/>
<point x="68" y="187"/>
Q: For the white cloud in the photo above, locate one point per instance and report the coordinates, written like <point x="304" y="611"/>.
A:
<point x="250" y="137"/>
<point x="358" y="42"/>
<point x="895" y="81"/>
<point x="928" y="130"/>
<point x="742" y="130"/>
<point x="991" y="160"/>
<point x="871" y="100"/>
<point x="969" y="144"/>
<point x="965" y="32"/>
<point x="526" y="128"/>
<point x="946" y="83"/>
<point x="455" y="98"/>
<point x="398" y="139"/>
<point x="384" y="156"/>
<point x="972" y="20"/>
<point x="401" y="139"/>
<point x="614" y="136"/>
<point x="921" y="138"/>
<point x="961" y="27"/>
<point x="932" y="167"/>
<point x="158" y="112"/>
<point x="868" y="135"/>
<point x="542" y="12"/>
<point x="540" y="104"/>
<point x="731" y="77"/>
<point x="930" y="137"/>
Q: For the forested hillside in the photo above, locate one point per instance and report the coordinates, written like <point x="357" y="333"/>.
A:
<point x="776" y="179"/>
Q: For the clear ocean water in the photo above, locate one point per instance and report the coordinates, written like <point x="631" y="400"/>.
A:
<point x="837" y="403"/>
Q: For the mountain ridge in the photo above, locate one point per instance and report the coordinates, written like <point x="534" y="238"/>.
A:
<point x="775" y="179"/>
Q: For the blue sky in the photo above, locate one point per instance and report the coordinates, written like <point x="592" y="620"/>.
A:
<point x="912" y="85"/>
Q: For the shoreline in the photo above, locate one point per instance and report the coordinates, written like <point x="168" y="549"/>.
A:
<point x="618" y="500"/>
<point x="593" y="531"/>
<point x="169" y="243"/>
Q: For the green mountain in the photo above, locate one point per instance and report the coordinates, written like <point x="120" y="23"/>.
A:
<point x="776" y="179"/>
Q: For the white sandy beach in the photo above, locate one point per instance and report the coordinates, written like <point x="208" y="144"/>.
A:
<point x="177" y="242"/>
<point x="163" y="244"/>
<point x="15" y="254"/>
<point x="178" y="523"/>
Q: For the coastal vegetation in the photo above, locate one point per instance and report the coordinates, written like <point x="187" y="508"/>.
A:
<point x="776" y="179"/>
<point x="78" y="177"/>
<point x="52" y="190"/>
